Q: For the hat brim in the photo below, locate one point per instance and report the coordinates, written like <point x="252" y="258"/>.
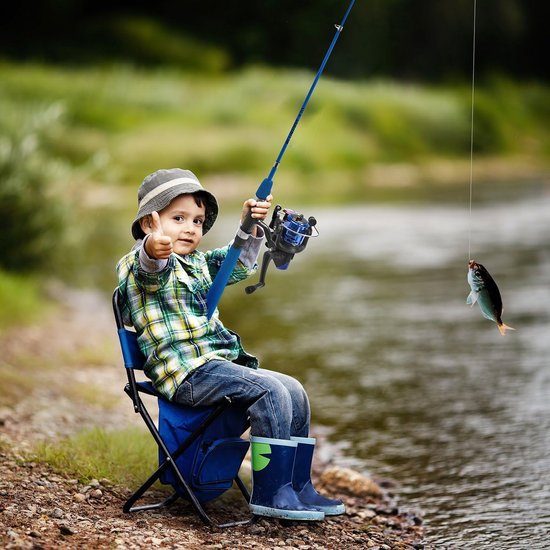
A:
<point x="160" y="203"/>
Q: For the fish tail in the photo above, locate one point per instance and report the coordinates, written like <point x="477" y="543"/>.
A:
<point x="503" y="328"/>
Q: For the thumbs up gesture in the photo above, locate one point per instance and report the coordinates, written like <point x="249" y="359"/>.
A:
<point x="158" y="245"/>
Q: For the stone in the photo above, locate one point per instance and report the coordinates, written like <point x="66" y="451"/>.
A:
<point x="65" y="529"/>
<point x="350" y="482"/>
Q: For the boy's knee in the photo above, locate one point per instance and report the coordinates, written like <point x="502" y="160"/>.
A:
<point x="296" y="389"/>
<point x="280" y="393"/>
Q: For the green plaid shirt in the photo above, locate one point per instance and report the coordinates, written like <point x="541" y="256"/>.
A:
<point x="168" y="311"/>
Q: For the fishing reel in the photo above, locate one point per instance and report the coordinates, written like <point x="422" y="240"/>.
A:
<point x="287" y="234"/>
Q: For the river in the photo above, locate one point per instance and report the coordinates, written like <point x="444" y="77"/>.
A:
<point x="406" y="380"/>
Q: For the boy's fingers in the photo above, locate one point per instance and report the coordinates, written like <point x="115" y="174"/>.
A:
<point x="162" y="246"/>
<point x="164" y="240"/>
<point x="156" y="226"/>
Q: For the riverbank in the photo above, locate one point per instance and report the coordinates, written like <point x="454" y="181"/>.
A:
<point x="43" y="508"/>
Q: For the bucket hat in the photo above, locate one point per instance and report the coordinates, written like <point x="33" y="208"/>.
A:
<point x="161" y="187"/>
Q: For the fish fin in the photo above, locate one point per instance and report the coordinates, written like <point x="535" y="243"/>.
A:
<point x="502" y="328"/>
<point x="472" y="298"/>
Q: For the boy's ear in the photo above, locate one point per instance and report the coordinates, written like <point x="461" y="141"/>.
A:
<point x="145" y="224"/>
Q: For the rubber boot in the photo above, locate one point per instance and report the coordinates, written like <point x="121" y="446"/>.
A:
<point x="301" y="480"/>
<point x="272" y="492"/>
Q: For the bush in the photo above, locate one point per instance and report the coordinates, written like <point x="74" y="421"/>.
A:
<point x="32" y="213"/>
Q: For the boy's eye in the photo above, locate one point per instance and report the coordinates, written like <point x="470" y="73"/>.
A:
<point x="178" y="218"/>
<point x="199" y="221"/>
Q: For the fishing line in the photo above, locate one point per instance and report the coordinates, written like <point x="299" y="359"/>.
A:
<point x="472" y="131"/>
<point x="484" y="290"/>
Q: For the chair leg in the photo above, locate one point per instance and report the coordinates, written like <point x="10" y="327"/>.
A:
<point x="166" y="502"/>
<point x="169" y="462"/>
<point x="243" y="488"/>
<point x="128" y="506"/>
<point x="240" y="484"/>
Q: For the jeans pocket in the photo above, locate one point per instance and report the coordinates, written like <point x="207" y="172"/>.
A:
<point x="184" y="394"/>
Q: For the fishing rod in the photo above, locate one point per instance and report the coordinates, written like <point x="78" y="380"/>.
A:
<point x="264" y="190"/>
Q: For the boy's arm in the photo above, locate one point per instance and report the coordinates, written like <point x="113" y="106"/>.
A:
<point x="148" y="264"/>
<point x="258" y="209"/>
<point x="245" y="267"/>
<point x="250" y="251"/>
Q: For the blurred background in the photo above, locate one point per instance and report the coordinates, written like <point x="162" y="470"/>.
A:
<point x="406" y="381"/>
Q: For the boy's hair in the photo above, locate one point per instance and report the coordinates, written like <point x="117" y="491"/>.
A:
<point x="160" y="188"/>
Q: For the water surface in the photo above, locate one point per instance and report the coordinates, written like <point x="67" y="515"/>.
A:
<point x="410" y="382"/>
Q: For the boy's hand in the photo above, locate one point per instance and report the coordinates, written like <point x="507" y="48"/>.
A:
<point x="158" y="245"/>
<point x="258" y="209"/>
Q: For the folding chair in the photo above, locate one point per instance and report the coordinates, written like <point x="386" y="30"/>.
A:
<point x="200" y="449"/>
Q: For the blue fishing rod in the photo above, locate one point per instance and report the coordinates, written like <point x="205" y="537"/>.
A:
<point x="292" y="225"/>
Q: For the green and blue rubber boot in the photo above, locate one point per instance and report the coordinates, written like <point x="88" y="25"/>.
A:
<point x="272" y="491"/>
<point x="301" y="480"/>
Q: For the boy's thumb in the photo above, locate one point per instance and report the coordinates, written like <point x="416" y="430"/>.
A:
<point x="156" y="226"/>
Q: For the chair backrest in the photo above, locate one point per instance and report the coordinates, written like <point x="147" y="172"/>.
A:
<point x="133" y="358"/>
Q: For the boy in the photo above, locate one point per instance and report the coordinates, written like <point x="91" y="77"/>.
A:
<point x="194" y="361"/>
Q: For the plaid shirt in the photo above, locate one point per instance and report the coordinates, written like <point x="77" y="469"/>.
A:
<point x="168" y="310"/>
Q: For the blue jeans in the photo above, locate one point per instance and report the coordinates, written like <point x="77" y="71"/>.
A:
<point x="277" y="404"/>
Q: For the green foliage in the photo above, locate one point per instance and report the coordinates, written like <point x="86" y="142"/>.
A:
<point x="149" y="41"/>
<point x="509" y="118"/>
<point x="125" y="457"/>
<point x="32" y="212"/>
<point x="20" y="298"/>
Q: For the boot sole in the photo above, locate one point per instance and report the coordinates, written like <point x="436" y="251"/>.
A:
<point x="334" y="510"/>
<point x="300" y="515"/>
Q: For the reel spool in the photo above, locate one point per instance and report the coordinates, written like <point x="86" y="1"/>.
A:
<point x="286" y="235"/>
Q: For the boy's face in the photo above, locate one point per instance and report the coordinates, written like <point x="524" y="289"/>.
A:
<point x="182" y="221"/>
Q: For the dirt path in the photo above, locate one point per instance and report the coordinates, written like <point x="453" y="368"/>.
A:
<point x="49" y="368"/>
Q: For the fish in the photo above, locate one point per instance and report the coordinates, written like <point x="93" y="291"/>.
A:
<point x="485" y="292"/>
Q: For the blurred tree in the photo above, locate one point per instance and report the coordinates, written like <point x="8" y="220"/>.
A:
<point x="419" y="39"/>
<point x="33" y="215"/>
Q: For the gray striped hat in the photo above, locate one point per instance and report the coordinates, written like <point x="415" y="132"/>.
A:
<point x="160" y="188"/>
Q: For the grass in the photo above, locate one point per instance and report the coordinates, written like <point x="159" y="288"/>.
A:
<point x="125" y="457"/>
<point x="21" y="299"/>
<point x="21" y="305"/>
